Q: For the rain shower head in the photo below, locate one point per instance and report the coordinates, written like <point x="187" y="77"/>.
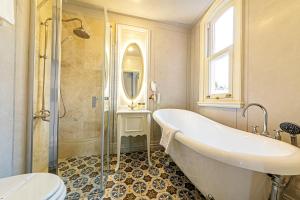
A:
<point x="81" y="32"/>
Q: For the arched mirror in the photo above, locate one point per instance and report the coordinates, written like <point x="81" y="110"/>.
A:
<point x="132" y="70"/>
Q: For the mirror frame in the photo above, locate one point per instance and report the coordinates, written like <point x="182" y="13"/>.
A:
<point x="126" y="35"/>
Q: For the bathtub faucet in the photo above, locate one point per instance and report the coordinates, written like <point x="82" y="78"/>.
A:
<point x="265" y="131"/>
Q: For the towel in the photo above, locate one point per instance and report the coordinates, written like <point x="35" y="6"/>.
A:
<point x="167" y="137"/>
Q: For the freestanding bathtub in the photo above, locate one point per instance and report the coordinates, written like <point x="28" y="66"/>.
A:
<point x="226" y="163"/>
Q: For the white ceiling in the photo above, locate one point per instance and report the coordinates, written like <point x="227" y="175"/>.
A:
<point x="176" y="11"/>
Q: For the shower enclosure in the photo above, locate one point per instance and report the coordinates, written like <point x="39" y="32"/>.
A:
<point x="71" y="95"/>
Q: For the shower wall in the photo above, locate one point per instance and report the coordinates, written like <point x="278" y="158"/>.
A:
<point x="82" y="65"/>
<point x="40" y="127"/>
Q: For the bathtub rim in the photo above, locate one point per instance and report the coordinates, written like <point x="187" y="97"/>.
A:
<point x="287" y="165"/>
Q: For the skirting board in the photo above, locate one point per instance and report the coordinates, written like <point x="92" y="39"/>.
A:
<point x="134" y="147"/>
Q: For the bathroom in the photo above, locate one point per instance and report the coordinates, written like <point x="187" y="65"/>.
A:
<point x="91" y="89"/>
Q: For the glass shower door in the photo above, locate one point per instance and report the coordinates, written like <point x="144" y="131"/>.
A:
<point x="40" y="75"/>
<point x="71" y="96"/>
<point x="108" y="77"/>
<point x="85" y="103"/>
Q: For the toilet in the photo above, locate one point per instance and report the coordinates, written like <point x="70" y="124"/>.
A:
<point x="34" y="186"/>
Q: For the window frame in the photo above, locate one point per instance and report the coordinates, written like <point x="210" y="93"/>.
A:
<point x="210" y="59"/>
<point x="233" y="98"/>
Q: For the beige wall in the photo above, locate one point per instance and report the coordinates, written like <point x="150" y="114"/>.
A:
<point x="169" y="59"/>
<point x="271" y="66"/>
<point x="13" y="88"/>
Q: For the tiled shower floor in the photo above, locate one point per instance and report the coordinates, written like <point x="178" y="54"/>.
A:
<point x="134" y="181"/>
<point x="81" y="176"/>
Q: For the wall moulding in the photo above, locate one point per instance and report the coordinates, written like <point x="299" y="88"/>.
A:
<point x="127" y="35"/>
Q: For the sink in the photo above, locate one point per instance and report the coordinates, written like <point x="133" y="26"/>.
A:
<point x="128" y="111"/>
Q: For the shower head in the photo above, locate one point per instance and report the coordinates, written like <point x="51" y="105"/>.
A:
<point x="81" y="32"/>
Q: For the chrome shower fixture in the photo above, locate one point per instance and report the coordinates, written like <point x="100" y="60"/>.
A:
<point x="44" y="113"/>
<point x="265" y="131"/>
<point x="292" y="129"/>
<point x="79" y="31"/>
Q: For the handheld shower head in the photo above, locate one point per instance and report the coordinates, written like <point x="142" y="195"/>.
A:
<point x="292" y="129"/>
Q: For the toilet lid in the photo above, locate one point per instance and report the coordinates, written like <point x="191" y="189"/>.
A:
<point x="60" y="194"/>
<point x="35" y="186"/>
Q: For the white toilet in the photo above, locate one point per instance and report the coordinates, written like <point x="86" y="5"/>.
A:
<point x="35" y="186"/>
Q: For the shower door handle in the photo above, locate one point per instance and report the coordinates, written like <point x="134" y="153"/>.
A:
<point x="94" y="101"/>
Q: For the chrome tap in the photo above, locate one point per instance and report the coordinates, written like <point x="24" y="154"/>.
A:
<point x="132" y="106"/>
<point x="278" y="134"/>
<point x="265" y="131"/>
<point x="254" y="129"/>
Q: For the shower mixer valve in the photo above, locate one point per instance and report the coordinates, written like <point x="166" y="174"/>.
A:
<point x="43" y="114"/>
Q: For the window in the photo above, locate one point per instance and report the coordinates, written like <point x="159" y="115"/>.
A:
<point x="219" y="48"/>
<point x="220" y="70"/>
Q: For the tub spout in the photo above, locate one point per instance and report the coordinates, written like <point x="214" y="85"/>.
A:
<point x="265" y="131"/>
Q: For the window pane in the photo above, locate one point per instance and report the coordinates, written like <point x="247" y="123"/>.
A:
<point x="223" y="31"/>
<point x="219" y="75"/>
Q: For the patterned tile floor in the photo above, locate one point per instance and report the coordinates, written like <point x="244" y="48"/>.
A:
<point x="81" y="176"/>
<point x="134" y="181"/>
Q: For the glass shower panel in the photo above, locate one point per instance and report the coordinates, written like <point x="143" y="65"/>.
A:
<point x="41" y="73"/>
<point x="80" y="87"/>
<point x="72" y="96"/>
<point x="82" y="117"/>
<point x="108" y="98"/>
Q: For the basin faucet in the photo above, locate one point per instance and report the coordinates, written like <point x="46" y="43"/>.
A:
<point x="132" y="106"/>
<point x="265" y="131"/>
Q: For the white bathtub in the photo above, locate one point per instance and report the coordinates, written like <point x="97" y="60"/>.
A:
<point x="227" y="163"/>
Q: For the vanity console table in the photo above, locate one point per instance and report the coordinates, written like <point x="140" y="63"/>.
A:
<point x="133" y="123"/>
